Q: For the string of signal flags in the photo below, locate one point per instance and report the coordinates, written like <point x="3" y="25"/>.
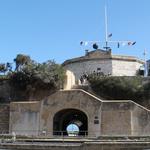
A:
<point x="107" y="42"/>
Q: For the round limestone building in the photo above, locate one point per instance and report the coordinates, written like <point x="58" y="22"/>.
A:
<point x="101" y="61"/>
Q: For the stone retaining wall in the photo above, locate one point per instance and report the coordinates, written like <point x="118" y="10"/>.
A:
<point x="4" y="118"/>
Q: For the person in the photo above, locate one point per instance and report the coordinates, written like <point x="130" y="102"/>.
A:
<point x="13" y="136"/>
<point x="81" y="80"/>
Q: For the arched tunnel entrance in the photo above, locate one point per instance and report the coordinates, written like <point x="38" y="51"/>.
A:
<point x="70" y="117"/>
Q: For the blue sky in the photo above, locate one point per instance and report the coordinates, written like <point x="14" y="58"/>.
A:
<point x="53" y="29"/>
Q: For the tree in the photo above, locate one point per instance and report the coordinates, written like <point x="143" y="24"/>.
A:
<point x="21" y="60"/>
<point x="47" y="73"/>
<point x="9" y="66"/>
<point x="3" y="68"/>
<point x="37" y="75"/>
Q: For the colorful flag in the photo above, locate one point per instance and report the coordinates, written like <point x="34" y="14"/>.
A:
<point x="133" y="43"/>
<point x="95" y="46"/>
<point x="118" y="45"/>
<point x="86" y="43"/>
<point x="129" y="43"/>
<point x="81" y="43"/>
<point x="144" y="52"/>
<point x="110" y="35"/>
<point x="123" y="44"/>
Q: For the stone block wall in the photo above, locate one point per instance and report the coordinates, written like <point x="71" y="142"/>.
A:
<point x="24" y="118"/>
<point x="104" y="118"/>
<point x="125" y="68"/>
<point x="140" y="120"/>
<point x="115" y="66"/>
<point x="116" y="118"/>
<point x="4" y="118"/>
<point x="89" y="66"/>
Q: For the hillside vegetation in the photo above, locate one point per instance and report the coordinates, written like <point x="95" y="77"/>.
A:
<point x="29" y="79"/>
<point x="122" y="88"/>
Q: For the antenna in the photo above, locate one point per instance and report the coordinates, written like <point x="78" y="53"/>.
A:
<point x="106" y="29"/>
<point x="106" y="24"/>
<point x="107" y="37"/>
<point x="145" y="63"/>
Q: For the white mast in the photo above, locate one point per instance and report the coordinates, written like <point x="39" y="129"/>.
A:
<point x="145" y="64"/>
<point x="107" y="36"/>
<point x="106" y="29"/>
<point x="106" y="26"/>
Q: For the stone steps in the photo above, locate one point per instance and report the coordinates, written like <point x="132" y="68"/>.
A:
<point x="88" y="89"/>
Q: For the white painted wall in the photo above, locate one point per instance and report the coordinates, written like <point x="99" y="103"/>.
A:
<point x="108" y="66"/>
<point x="70" y="80"/>
<point x="125" y="68"/>
<point x="89" y="66"/>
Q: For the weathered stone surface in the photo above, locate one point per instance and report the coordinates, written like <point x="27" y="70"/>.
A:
<point x="140" y="120"/>
<point x="111" y="118"/>
<point x="103" y="61"/>
<point x="9" y="93"/>
<point x="85" y="145"/>
<point x="4" y="118"/>
<point x="125" y="67"/>
<point x="116" y="118"/>
<point x="24" y="118"/>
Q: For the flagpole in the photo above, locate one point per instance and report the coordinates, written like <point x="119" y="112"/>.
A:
<point x="106" y="28"/>
<point x="107" y="40"/>
<point x="145" y="65"/>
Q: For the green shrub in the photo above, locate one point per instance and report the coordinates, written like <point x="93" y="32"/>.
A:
<point x="47" y="75"/>
<point x="123" y="88"/>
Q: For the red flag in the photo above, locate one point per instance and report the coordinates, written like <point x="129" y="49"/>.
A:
<point x="131" y="43"/>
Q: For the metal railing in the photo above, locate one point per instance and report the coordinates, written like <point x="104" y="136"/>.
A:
<point x="64" y="134"/>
